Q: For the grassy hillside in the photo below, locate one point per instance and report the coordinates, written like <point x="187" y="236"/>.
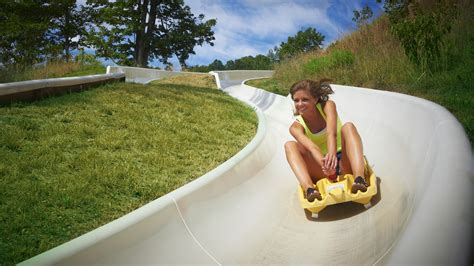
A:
<point x="197" y="80"/>
<point x="72" y="163"/>
<point x="372" y="57"/>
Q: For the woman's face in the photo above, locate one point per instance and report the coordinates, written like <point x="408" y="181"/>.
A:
<point x="304" y="101"/>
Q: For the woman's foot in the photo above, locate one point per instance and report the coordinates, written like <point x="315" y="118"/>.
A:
<point x="359" y="184"/>
<point x="312" y="194"/>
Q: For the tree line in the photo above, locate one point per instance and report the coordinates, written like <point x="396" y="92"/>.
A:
<point x="128" y="32"/>
<point x="303" y="41"/>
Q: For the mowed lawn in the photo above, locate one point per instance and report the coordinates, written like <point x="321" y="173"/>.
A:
<point x="72" y="163"/>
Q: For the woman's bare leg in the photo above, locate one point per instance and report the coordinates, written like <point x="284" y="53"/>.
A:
<point x="352" y="151"/>
<point x="303" y="165"/>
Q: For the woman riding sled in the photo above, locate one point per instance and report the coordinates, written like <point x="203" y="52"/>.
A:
<point x="322" y="147"/>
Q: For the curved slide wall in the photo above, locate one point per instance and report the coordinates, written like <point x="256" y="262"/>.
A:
<point x="144" y="75"/>
<point x="247" y="211"/>
<point x="37" y="89"/>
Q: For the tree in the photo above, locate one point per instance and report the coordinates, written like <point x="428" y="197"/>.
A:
<point x="259" y="62"/>
<point x="245" y="62"/>
<point x="23" y="27"/>
<point x="362" y="17"/>
<point x="273" y="54"/>
<point x="303" y="41"/>
<point x="191" y="32"/>
<point x="35" y="31"/>
<point x="262" y="62"/>
<point x="199" y="68"/>
<point x="67" y="26"/>
<point x="422" y="28"/>
<point x="135" y="32"/>
<point x="217" y="65"/>
<point x="230" y="65"/>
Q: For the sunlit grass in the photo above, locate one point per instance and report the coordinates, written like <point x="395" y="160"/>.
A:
<point x="197" y="80"/>
<point x="69" y="164"/>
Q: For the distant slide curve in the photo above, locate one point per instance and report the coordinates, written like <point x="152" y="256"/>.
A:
<point x="246" y="211"/>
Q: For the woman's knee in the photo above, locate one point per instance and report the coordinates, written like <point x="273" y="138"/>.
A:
<point x="293" y="147"/>
<point x="348" y="128"/>
<point x="290" y="146"/>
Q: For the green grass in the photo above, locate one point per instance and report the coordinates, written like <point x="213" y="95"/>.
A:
<point x="197" y="80"/>
<point x="337" y="58"/>
<point x="72" y="163"/>
<point x="85" y="70"/>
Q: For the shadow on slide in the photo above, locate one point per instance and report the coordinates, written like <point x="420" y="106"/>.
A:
<point x="346" y="209"/>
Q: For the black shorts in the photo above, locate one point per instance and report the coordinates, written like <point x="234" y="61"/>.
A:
<point x="338" y="168"/>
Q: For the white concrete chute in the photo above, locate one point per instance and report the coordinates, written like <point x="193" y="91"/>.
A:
<point x="146" y="75"/>
<point x="37" y="89"/>
<point x="247" y="211"/>
<point x="226" y="79"/>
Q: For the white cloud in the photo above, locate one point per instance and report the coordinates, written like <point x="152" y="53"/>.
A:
<point x="254" y="27"/>
<point x="251" y="27"/>
<point x="81" y="2"/>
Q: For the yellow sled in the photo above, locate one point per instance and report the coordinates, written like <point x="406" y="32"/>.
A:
<point x="339" y="191"/>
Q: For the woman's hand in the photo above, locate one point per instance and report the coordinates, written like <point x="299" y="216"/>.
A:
<point x="329" y="164"/>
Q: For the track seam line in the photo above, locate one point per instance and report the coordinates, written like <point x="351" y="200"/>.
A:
<point x="192" y="235"/>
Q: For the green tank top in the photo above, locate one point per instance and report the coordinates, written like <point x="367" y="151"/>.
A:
<point x="320" y="138"/>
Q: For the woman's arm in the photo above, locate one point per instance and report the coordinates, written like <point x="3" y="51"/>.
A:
<point x="297" y="131"/>
<point x="331" y="128"/>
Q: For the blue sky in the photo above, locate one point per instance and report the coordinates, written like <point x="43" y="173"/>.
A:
<point x="252" y="27"/>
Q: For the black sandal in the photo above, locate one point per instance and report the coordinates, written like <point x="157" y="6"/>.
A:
<point x="359" y="184"/>
<point x="312" y="194"/>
